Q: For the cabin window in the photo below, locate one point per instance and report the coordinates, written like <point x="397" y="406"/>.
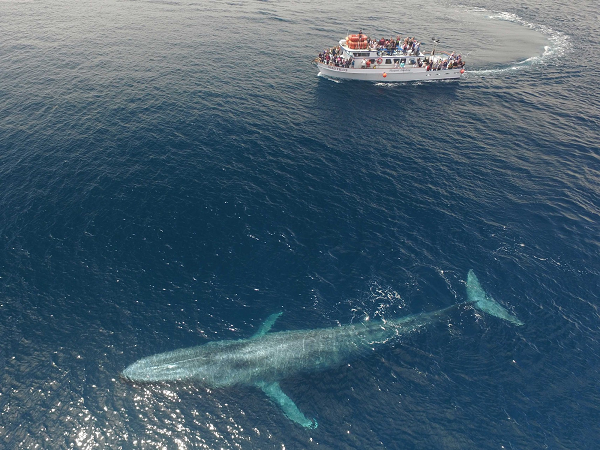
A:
<point x="372" y="61"/>
<point x="396" y="60"/>
<point x="388" y="61"/>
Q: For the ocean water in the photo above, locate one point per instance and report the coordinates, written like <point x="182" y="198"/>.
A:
<point x="173" y="172"/>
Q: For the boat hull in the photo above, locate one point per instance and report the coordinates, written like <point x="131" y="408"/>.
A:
<point x="391" y="75"/>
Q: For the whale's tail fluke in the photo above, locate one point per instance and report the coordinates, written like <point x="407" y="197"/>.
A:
<point x="483" y="302"/>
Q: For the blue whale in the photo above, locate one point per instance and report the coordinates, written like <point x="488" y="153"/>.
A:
<point x="266" y="358"/>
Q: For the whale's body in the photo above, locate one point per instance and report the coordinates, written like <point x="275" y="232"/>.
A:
<point x="266" y="358"/>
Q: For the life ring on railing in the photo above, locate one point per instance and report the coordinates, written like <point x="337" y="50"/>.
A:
<point x="379" y="60"/>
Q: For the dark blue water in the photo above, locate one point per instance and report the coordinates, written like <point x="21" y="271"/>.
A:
<point x="175" y="172"/>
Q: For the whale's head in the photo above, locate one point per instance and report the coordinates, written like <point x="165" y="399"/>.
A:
<point x="178" y="365"/>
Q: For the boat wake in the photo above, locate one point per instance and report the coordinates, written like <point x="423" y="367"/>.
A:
<point x="560" y="41"/>
<point x="559" y="44"/>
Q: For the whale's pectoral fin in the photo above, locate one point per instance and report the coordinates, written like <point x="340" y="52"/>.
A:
<point x="288" y="406"/>
<point x="267" y="324"/>
<point x="486" y="303"/>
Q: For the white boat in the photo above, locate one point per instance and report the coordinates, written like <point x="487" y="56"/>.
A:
<point x="357" y="58"/>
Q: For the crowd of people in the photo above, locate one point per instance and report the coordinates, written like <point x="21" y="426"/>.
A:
<point x="333" y="56"/>
<point x="394" y="47"/>
<point x="408" y="46"/>
<point x="453" y="61"/>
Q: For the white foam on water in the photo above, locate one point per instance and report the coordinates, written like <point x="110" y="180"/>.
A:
<point x="559" y="43"/>
<point x="328" y="78"/>
<point x="395" y="84"/>
<point x="390" y="84"/>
